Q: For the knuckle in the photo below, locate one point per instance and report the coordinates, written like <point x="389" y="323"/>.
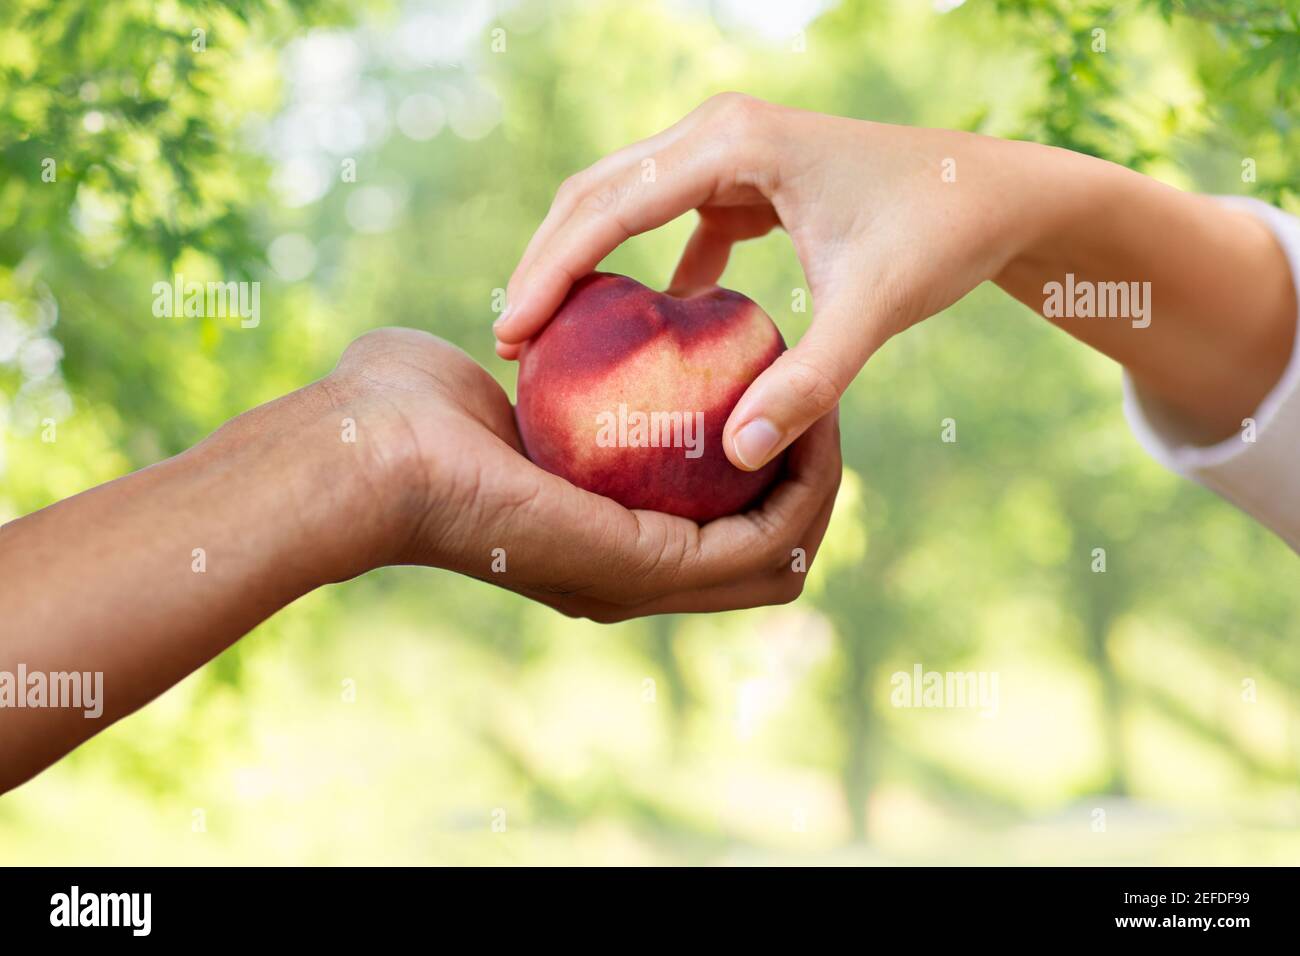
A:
<point x="793" y="541"/>
<point x="374" y="344"/>
<point x="775" y="552"/>
<point x="571" y="187"/>
<point x="659" y="562"/>
<point x="730" y="101"/>
<point x="671" y="555"/>
<point x="789" y="587"/>
<point x="375" y="338"/>
<point x="605" y="616"/>
<point x="602" y="200"/>
<point x="811" y="384"/>
<point x="742" y="116"/>
<point x="584" y="611"/>
<point x="555" y="271"/>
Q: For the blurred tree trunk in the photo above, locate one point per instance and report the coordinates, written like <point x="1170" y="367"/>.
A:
<point x="1096" y="606"/>
<point x="1112" y="711"/>
<point x="863" y="650"/>
<point x="663" y="651"/>
<point x="858" y="769"/>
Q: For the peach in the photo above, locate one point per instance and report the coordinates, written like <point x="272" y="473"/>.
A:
<point x="626" y="392"/>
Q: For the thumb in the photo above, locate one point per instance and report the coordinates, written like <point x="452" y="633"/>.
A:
<point x="801" y="386"/>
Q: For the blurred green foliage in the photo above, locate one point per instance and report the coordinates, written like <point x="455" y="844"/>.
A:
<point x="411" y="716"/>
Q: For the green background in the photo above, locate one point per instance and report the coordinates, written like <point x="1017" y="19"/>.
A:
<point x="1146" y="714"/>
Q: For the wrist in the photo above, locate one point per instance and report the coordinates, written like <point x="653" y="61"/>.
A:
<point x="312" y="464"/>
<point x="1052" y="191"/>
<point x="364" y="445"/>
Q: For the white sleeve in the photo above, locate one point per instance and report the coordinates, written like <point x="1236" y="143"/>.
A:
<point x="1261" y="477"/>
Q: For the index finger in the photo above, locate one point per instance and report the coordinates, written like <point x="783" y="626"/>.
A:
<point x="573" y="189"/>
<point x="647" y="185"/>
<point x="611" y="210"/>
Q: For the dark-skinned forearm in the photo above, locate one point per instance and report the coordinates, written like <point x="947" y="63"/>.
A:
<point x="147" y="577"/>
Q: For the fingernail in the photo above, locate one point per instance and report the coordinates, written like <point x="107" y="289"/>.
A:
<point x="755" y="442"/>
<point x="501" y="319"/>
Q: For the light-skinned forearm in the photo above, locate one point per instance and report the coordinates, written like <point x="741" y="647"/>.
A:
<point x="1222" y="294"/>
<point x="893" y="224"/>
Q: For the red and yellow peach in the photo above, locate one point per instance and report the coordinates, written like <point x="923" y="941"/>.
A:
<point x="626" y="392"/>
